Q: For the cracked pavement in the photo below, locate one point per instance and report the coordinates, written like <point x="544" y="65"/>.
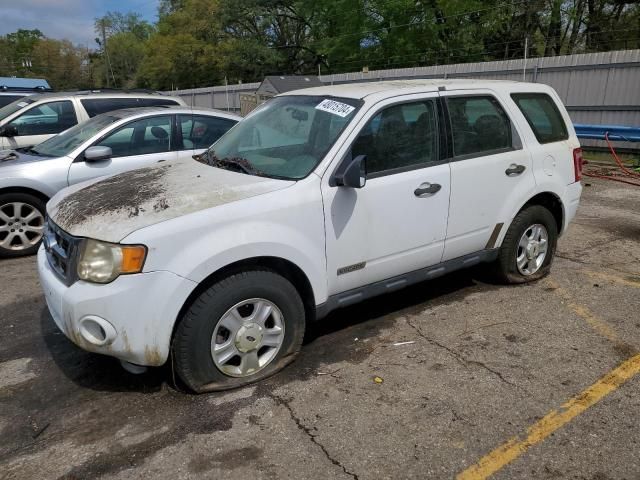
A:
<point x="465" y="365"/>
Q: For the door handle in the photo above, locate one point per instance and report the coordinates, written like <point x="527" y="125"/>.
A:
<point x="514" y="170"/>
<point x="427" y="189"/>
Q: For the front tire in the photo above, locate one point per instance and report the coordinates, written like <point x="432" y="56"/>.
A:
<point x="21" y="224"/>
<point x="528" y="247"/>
<point x="241" y="330"/>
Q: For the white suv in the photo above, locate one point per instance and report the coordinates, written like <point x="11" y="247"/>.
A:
<point x="33" y="119"/>
<point x="318" y="199"/>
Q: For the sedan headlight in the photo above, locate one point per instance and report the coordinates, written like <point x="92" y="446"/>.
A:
<point x="102" y="262"/>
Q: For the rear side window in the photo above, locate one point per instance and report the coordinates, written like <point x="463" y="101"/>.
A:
<point x="200" y="131"/>
<point x="96" y="106"/>
<point x="479" y="126"/>
<point x="543" y="116"/>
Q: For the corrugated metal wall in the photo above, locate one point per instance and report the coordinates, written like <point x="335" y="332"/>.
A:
<point x="597" y="88"/>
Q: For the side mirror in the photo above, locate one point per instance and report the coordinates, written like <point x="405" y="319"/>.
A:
<point x="352" y="173"/>
<point x="95" y="154"/>
<point x="8" y="131"/>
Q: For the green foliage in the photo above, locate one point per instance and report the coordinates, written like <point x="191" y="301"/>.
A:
<point x="199" y="43"/>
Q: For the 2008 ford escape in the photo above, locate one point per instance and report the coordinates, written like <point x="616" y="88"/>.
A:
<point x="318" y="199"/>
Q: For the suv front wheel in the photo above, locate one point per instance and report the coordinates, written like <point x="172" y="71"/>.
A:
<point x="528" y="247"/>
<point x="242" y="329"/>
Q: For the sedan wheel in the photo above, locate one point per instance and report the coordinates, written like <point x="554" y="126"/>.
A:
<point x="21" y="226"/>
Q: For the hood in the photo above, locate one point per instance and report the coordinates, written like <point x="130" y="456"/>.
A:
<point x="111" y="208"/>
<point x="13" y="158"/>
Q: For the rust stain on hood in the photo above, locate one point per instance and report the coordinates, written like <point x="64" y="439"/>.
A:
<point x="111" y="208"/>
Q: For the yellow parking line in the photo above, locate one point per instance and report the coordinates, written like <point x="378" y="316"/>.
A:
<point x="614" y="278"/>
<point x="551" y="422"/>
<point x="583" y="312"/>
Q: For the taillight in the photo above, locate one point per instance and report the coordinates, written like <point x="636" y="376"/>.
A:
<point x="577" y="163"/>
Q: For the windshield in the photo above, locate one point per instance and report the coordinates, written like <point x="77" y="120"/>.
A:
<point x="64" y="143"/>
<point x="284" y="138"/>
<point x="13" y="107"/>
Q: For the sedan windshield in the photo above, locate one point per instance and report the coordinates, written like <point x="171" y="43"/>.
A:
<point x="67" y="141"/>
<point x="284" y="138"/>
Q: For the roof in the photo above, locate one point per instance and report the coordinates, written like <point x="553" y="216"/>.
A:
<point x="89" y="93"/>
<point x="275" y="84"/>
<point x="364" y="89"/>
<point x="24" y="83"/>
<point x="127" y="112"/>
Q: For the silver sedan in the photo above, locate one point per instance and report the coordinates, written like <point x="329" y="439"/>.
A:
<point x="107" y="144"/>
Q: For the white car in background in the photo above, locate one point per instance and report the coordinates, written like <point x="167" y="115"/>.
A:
<point x="107" y="144"/>
<point x="32" y="119"/>
<point x="365" y="189"/>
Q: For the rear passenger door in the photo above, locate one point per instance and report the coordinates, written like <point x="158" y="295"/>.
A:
<point x="139" y="143"/>
<point x="491" y="173"/>
<point x="198" y="132"/>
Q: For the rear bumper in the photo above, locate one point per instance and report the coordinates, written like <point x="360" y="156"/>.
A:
<point x="131" y="318"/>
<point x="571" y="202"/>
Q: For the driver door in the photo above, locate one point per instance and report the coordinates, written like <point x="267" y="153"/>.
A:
<point x="397" y="222"/>
<point x="137" y="144"/>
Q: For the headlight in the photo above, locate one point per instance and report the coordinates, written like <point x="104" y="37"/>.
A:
<point x="102" y="262"/>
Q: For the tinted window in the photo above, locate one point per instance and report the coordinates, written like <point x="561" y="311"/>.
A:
<point x="45" y="119"/>
<point x="14" y="107"/>
<point x="7" y="99"/>
<point x="140" y="137"/>
<point x="95" y="106"/>
<point x="199" y="131"/>
<point x="543" y="116"/>
<point x="479" y="125"/>
<point x="399" y="136"/>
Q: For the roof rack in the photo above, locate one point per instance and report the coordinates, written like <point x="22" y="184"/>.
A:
<point x="38" y="89"/>
<point x="111" y="90"/>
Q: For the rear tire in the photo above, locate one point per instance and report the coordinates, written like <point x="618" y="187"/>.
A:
<point x="21" y="224"/>
<point x="241" y="330"/>
<point x="528" y="247"/>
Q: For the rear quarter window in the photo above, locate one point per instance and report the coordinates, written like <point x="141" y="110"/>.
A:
<point x="543" y="116"/>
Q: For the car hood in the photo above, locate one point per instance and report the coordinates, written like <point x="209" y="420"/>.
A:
<point x="9" y="159"/>
<point x="111" y="208"/>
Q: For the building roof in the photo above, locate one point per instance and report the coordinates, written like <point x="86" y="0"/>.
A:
<point x="275" y="84"/>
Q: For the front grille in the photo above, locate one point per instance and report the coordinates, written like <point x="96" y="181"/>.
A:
<point x="62" y="252"/>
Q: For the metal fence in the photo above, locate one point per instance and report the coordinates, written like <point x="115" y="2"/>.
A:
<point x="597" y="88"/>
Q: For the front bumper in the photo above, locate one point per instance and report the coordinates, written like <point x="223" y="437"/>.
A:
<point x="131" y="318"/>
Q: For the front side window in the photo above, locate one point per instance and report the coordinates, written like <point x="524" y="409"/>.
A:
<point x="140" y="137"/>
<point x="46" y="119"/>
<point x="398" y="137"/>
<point x="200" y="131"/>
<point x="285" y="137"/>
<point x="543" y="116"/>
<point x="479" y="125"/>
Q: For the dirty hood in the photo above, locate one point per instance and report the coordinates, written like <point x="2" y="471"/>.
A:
<point x="111" y="208"/>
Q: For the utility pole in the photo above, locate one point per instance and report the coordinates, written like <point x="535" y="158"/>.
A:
<point x="524" y="66"/>
<point x="104" y="48"/>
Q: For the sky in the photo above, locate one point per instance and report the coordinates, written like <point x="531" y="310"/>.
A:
<point x="67" y="19"/>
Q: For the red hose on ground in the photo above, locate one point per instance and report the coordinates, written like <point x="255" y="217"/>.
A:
<point x="631" y="173"/>
<point x="628" y="174"/>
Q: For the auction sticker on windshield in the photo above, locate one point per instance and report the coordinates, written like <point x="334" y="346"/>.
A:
<point x="337" y="108"/>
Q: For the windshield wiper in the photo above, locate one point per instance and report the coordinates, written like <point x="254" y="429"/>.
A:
<point x="32" y="151"/>
<point x="210" y="158"/>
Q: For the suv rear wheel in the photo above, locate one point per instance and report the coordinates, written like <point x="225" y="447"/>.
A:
<point x="21" y="224"/>
<point x="528" y="247"/>
<point x="240" y="330"/>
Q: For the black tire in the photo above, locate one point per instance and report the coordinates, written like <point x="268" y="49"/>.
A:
<point x="192" y="339"/>
<point x="505" y="268"/>
<point x="28" y="199"/>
